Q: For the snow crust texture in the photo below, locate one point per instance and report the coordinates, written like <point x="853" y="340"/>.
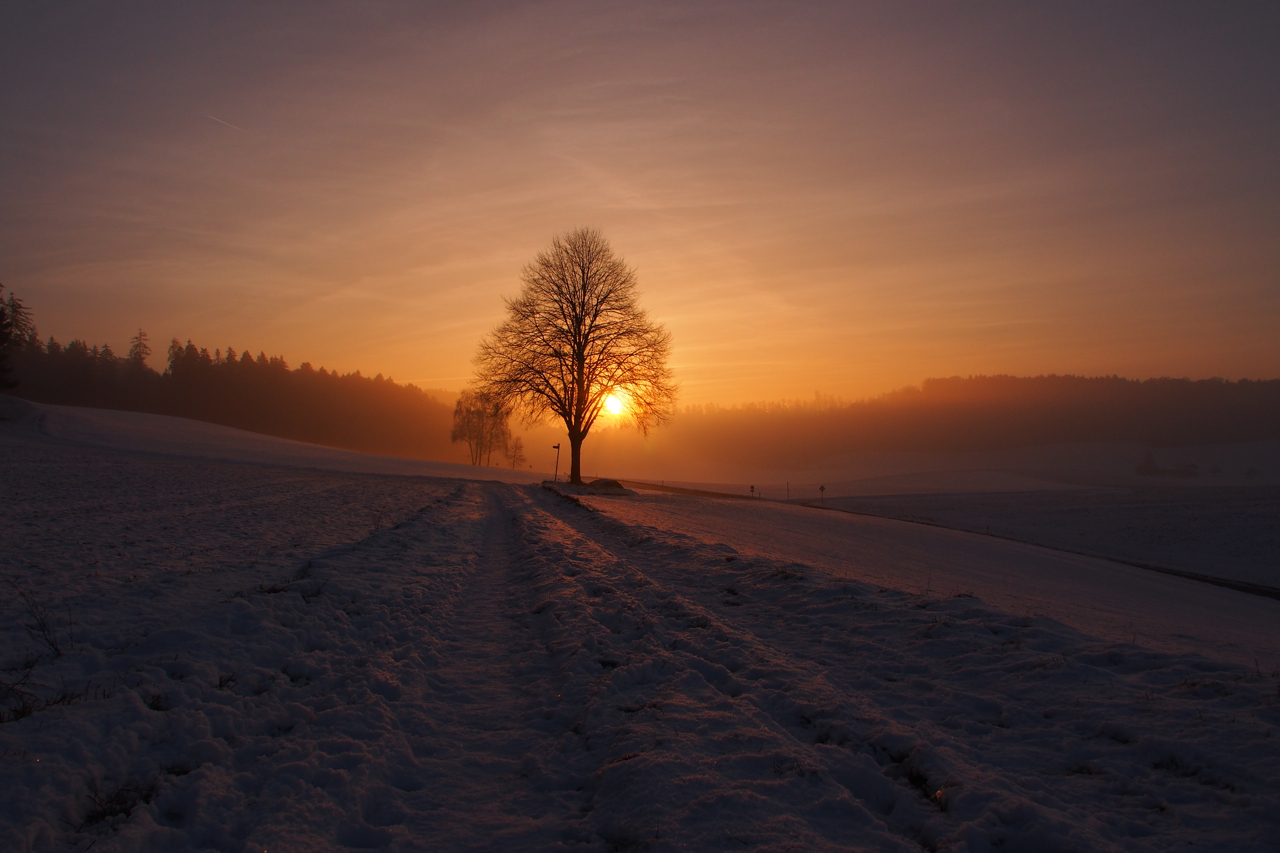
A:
<point x="240" y="657"/>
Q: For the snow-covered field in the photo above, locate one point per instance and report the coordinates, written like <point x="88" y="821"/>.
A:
<point x="274" y="655"/>
<point x="1221" y="531"/>
<point x="1102" y="598"/>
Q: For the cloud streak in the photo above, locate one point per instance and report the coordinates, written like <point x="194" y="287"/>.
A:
<point x="227" y="123"/>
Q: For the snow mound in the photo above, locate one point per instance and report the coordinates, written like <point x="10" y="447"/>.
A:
<point x="601" y="486"/>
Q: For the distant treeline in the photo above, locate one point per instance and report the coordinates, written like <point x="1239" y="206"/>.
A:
<point x="378" y="415"/>
<point x="260" y="394"/>
<point x="988" y="413"/>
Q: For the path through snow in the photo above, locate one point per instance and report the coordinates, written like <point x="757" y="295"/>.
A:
<point x="274" y="659"/>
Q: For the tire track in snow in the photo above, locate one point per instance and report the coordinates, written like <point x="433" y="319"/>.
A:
<point x="669" y="725"/>
<point x="364" y="702"/>
<point x="481" y="707"/>
<point x="963" y="705"/>
<point x="450" y="703"/>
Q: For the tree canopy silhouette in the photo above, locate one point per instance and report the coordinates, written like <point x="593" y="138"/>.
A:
<point x="6" y="335"/>
<point x="16" y="329"/>
<point x="574" y="337"/>
<point x="480" y="420"/>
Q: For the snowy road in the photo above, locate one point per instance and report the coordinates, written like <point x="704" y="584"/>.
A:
<point x="1097" y="596"/>
<point x="1230" y="532"/>
<point x="263" y="658"/>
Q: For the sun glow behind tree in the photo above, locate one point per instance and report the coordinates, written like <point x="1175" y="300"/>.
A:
<point x="615" y="405"/>
<point x="573" y="339"/>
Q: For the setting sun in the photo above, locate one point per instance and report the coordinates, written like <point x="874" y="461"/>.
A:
<point x="614" y="405"/>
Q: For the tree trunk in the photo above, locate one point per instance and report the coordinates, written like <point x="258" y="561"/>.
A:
<point x="575" y="455"/>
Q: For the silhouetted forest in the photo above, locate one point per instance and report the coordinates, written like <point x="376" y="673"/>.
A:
<point x="378" y="415"/>
<point x="261" y="394"/>
<point x="995" y="412"/>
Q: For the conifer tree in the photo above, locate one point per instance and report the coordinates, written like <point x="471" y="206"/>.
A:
<point x="139" y="349"/>
<point x="6" y="338"/>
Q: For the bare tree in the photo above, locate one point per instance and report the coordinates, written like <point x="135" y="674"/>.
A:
<point x="480" y="419"/>
<point x="574" y="336"/>
<point x="515" y="452"/>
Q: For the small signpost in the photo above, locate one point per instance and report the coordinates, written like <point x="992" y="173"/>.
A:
<point x="821" y="495"/>
<point x="555" y="478"/>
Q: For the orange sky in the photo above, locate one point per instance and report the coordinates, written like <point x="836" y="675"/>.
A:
<point x="816" y="198"/>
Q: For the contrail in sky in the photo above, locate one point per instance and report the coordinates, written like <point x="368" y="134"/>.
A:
<point x="227" y="123"/>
